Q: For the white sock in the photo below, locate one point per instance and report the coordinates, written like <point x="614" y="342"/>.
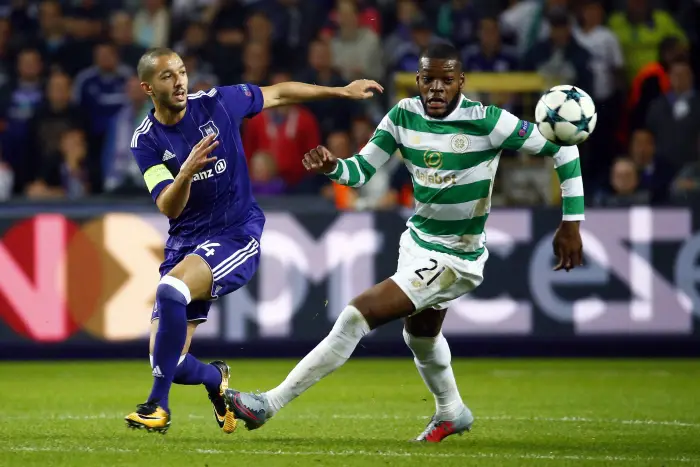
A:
<point x="432" y="356"/>
<point x="331" y="353"/>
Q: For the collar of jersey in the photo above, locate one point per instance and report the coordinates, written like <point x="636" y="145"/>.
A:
<point x="152" y="117"/>
<point x="447" y="117"/>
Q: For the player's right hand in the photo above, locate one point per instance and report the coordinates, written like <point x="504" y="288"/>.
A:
<point x="320" y="160"/>
<point x="199" y="156"/>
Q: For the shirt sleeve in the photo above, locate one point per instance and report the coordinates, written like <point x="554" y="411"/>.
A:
<point x="242" y="100"/>
<point x="156" y="175"/>
<point x="359" y="169"/>
<point x="520" y="135"/>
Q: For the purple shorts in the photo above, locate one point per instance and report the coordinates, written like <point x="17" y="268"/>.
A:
<point x="233" y="262"/>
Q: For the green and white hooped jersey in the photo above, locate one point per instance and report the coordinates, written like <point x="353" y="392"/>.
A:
<point x="453" y="163"/>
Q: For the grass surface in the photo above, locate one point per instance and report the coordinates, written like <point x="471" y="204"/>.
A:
<point x="544" y="412"/>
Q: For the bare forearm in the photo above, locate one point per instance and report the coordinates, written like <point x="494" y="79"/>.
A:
<point x="295" y="93"/>
<point x="174" y="197"/>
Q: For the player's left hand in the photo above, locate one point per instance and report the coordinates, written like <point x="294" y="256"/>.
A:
<point x="362" y="89"/>
<point x="568" y="247"/>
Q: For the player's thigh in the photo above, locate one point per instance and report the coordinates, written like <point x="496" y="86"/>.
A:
<point x="191" y="327"/>
<point x="431" y="280"/>
<point x="383" y="303"/>
<point x="231" y="262"/>
<point x="427" y="323"/>
<point x="195" y="273"/>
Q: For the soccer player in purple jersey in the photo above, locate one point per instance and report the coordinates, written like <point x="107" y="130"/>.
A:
<point x="190" y="153"/>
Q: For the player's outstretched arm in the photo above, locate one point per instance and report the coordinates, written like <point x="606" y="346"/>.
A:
<point x="520" y="135"/>
<point x="357" y="170"/>
<point x="173" y="199"/>
<point x="294" y="92"/>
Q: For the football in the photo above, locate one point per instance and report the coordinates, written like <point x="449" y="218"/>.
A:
<point x="566" y="115"/>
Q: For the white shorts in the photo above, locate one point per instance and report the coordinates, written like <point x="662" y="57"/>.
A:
<point x="432" y="279"/>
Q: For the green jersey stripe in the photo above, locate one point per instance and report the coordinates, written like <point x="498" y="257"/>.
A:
<point x="569" y="170"/>
<point x="413" y="121"/>
<point x="437" y="160"/>
<point x="520" y="135"/>
<point x="473" y="226"/>
<point x="454" y="212"/>
<point x="384" y="141"/>
<point x="572" y="205"/>
<point x="431" y="246"/>
<point x="365" y="167"/>
<point x="454" y="194"/>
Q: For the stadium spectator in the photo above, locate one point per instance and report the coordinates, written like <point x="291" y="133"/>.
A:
<point x="560" y="57"/>
<point x="655" y="173"/>
<point x="65" y="176"/>
<point x="152" y="24"/>
<point x="52" y="41"/>
<point x="406" y="13"/>
<point x="6" y="180"/>
<point x="367" y="17"/>
<point x="184" y="11"/>
<point x="228" y="23"/>
<point x="296" y="24"/>
<point x="489" y="55"/>
<point x="121" y="174"/>
<point x="690" y="19"/>
<point x="652" y="81"/>
<point x="56" y="115"/>
<point x="675" y="117"/>
<point x="457" y="22"/>
<point x="99" y="91"/>
<point x="624" y="181"/>
<point x="84" y="20"/>
<point x="608" y="85"/>
<point x="24" y="99"/>
<point x="686" y="186"/>
<point x="122" y="34"/>
<point x="527" y="21"/>
<point x="256" y="64"/>
<point x="198" y="72"/>
<point x="640" y="30"/>
<point x="284" y="132"/>
<point x="333" y="114"/>
<point x="6" y="71"/>
<point x="405" y="57"/>
<point x="263" y="175"/>
<point x="356" y="50"/>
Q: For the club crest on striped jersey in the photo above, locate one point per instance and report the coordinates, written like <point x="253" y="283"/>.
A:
<point x="459" y="143"/>
<point x="432" y="159"/>
<point x="209" y="128"/>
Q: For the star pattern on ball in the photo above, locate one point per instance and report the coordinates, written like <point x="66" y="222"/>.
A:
<point x="573" y="94"/>
<point x="553" y="115"/>
<point x="582" y="125"/>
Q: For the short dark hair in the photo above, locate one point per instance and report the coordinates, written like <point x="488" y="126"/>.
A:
<point x="442" y="51"/>
<point x="147" y="61"/>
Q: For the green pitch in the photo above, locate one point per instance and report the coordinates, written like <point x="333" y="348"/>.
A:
<point x="545" y="412"/>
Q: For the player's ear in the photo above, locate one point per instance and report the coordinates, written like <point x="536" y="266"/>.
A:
<point x="461" y="80"/>
<point x="417" y="79"/>
<point x="147" y="88"/>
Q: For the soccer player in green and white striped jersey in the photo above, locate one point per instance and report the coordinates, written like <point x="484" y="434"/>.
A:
<point x="451" y="145"/>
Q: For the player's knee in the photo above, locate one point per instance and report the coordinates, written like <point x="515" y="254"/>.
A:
<point x="425" y="349"/>
<point x="172" y="288"/>
<point x="427" y="323"/>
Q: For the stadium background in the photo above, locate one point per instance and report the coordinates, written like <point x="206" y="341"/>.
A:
<point x="81" y="240"/>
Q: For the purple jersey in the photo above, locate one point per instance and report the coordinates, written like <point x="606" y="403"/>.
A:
<point x="221" y="202"/>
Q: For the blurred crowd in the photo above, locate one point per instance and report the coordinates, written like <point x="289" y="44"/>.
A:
<point x="70" y="98"/>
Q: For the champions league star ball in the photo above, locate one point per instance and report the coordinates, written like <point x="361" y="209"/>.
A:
<point x="566" y="115"/>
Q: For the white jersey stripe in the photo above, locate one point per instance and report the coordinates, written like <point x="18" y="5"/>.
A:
<point x="139" y="131"/>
